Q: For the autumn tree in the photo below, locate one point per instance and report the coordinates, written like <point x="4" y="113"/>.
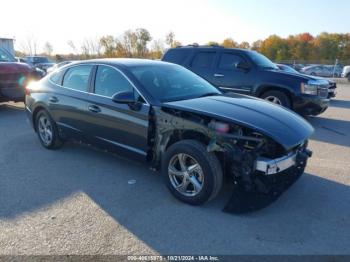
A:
<point x="143" y="37"/>
<point x="244" y="45"/>
<point x="275" y="47"/>
<point x="229" y="43"/>
<point x="108" y="45"/>
<point x="157" y="49"/>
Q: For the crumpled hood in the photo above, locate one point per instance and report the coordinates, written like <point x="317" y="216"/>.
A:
<point x="284" y="126"/>
<point x="14" y="68"/>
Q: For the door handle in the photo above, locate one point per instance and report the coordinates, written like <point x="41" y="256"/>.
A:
<point x="94" y="109"/>
<point x="218" y="75"/>
<point x="53" y="99"/>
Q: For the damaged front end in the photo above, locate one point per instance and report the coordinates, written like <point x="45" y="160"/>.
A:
<point x="260" y="168"/>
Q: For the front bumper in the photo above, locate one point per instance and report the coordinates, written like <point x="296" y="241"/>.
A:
<point x="332" y="93"/>
<point x="310" y="104"/>
<point x="15" y="94"/>
<point x="273" y="166"/>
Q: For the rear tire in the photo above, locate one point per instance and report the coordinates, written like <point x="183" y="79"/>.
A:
<point x="277" y="97"/>
<point x="47" y="130"/>
<point x="348" y="77"/>
<point x="191" y="173"/>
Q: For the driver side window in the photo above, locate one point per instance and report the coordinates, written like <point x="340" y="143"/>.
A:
<point x="228" y="61"/>
<point x="109" y="82"/>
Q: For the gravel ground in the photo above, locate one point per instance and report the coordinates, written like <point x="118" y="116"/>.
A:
<point x="77" y="200"/>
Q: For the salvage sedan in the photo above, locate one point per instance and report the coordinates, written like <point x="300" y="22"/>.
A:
<point x="176" y="121"/>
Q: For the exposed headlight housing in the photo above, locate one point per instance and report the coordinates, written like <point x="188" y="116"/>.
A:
<point x="312" y="87"/>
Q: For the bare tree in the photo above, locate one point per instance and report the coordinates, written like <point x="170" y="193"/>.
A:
<point x="72" y="46"/>
<point x="170" y="39"/>
<point x="91" y="47"/>
<point x="29" y="45"/>
<point x="48" y="49"/>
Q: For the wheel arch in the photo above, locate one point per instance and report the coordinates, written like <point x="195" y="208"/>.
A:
<point x="266" y="88"/>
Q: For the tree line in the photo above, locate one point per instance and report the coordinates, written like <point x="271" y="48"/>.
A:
<point x="304" y="47"/>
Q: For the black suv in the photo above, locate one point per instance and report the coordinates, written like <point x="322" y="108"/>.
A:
<point x="249" y="72"/>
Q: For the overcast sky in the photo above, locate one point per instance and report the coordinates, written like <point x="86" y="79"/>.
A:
<point x="58" y="21"/>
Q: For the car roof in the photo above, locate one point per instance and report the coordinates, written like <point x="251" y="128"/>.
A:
<point x="128" y="62"/>
<point x="209" y="48"/>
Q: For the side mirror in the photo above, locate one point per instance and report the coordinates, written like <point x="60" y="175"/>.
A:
<point x="124" y="97"/>
<point x="243" y="65"/>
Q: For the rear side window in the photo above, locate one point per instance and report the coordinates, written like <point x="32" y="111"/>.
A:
<point x="203" y="59"/>
<point x="109" y="82"/>
<point x="56" y="77"/>
<point x="77" y="77"/>
<point x="228" y="61"/>
<point x="176" y="56"/>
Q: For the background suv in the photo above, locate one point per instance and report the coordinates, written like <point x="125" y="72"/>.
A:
<point x="248" y="72"/>
<point x="14" y="76"/>
<point x="41" y="62"/>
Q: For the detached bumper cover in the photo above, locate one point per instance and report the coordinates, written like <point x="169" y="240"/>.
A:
<point x="271" y="179"/>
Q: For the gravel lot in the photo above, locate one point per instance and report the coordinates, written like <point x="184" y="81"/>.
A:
<point x="78" y="201"/>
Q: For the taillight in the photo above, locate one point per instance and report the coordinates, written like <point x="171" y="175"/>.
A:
<point x="27" y="90"/>
<point x="32" y="85"/>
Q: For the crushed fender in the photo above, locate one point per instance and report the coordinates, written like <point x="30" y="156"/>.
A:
<point x="238" y="150"/>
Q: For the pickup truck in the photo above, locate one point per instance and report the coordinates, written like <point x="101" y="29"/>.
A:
<point x="249" y="72"/>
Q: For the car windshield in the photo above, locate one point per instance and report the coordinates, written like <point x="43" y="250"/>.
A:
<point x="167" y="82"/>
<point x="6" y="57"/>
<point x="261" y="61"/>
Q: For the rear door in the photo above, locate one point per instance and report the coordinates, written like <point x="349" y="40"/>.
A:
<point x="203" y="64"/>
<point x="68" y="104"/>
<point x="121" y="127"/>
<point x="229" y="78"/>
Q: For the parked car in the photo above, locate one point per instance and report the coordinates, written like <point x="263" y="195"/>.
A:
<point x="176" y="121"/>
<point x="57" y="66"/>
<point x="346" y="72"/>
<point x="332" y="85"/>
<point x="41" y="62"/>
<point x="322" y="70"/>
<point x="14" y="76"/>
<point x="248" y="72"/>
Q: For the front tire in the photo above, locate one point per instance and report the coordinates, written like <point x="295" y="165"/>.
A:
<point x="47" y="131"/>
<point x="191" y="173"/>
<point x="277" y="97"/>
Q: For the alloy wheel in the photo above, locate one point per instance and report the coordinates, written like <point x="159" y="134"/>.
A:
<point x="45" y="130"/>
<point x="274" y="100"/>
<point x="186" y="175"/>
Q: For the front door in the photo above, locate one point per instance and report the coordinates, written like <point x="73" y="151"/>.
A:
<point x="230" y="78"/>
<point x="122" y="127"/>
